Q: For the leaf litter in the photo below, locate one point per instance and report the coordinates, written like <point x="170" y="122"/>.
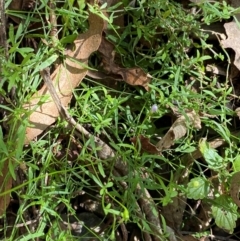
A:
<point x="68" y="75"/>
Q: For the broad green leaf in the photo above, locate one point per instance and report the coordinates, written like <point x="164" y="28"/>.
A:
<point x="213" y="159"/>
<point x="225" y="213"/>
<point x="197" y="188"/>
<point x="104" y="5"/>
<point x="68" y="39"/>
<point x="24" y="51"/>
<point x="236" y="164"/>
<point x="19" y="32"/>
<point x="109" y="184"/>
<point x="125" y="215"/>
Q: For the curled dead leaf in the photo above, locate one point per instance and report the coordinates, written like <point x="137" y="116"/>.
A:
<point x="132" y="76"/>
<point x="179" y="129"/>
<point x="65" y="78"/>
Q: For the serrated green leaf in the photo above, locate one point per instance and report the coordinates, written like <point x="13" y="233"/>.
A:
<point x="213" y="159"/>
<point x="198" y="188"/>
<point x="225" y="214"/>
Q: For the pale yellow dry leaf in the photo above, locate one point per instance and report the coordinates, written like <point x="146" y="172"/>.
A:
<point x="65" y="78"/>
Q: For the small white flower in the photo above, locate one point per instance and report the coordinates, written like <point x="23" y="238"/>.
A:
<point x="154" y="108"/>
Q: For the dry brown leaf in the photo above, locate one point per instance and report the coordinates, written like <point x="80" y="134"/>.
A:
<point x="235" y="187"/>
<point x="145" y="144"/>
<point x="237" y="111"/>
<point x="6" y="184"/>
<point x="107" y="51"/>
<point x="233" y="33"/>
<point x="173" y="212"/>
<point x="65" y="78"/>
<point x="179" y="129"/>
<point x="132" y="76"/>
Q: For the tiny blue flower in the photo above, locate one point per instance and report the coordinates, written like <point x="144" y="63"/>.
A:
<point x="154" y="108"/>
